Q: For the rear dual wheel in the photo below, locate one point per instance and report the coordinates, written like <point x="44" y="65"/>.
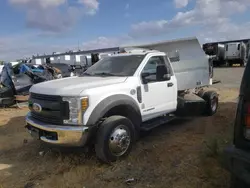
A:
<point x="212" y="102"/>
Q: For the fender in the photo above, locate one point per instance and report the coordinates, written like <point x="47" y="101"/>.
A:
<point x="108" y="103"/>
<point x="210" y="94"/>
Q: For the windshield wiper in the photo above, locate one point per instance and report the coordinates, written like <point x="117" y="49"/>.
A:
<point x="104" y="74"/>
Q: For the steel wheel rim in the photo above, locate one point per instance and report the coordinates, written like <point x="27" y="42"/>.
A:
<point x="119" y="140"/>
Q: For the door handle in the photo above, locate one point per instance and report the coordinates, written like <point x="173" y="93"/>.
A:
<point x="170" y="84"/>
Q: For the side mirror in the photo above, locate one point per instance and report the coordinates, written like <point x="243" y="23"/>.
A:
<point x="162" y="73"/>
<point x="144" y="77"/>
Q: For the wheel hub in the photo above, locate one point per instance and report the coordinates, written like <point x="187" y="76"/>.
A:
<point x="119" y="140"/>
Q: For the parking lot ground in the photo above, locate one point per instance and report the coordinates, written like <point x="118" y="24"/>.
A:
<point x="229" y="77"/>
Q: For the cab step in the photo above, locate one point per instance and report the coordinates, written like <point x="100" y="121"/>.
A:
<point x="148" y="125"/>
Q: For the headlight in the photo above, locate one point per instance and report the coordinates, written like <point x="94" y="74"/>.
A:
<point x="77" y="106"/>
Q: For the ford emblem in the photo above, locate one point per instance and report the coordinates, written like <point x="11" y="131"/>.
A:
<point x="37" y="107"/>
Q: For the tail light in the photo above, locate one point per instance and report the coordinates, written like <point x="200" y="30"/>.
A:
<point x="247" y="120"/>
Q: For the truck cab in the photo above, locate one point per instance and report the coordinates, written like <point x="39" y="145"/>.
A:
<point x="111" y="102"/>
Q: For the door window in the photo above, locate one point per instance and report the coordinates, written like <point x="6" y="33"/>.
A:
<point x="151" y="65"/>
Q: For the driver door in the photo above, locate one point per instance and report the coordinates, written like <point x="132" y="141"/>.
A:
<point x="158" y="97"/>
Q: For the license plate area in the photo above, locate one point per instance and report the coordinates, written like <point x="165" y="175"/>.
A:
<point x="38" y="133"/>
<point x="35" y="133"/>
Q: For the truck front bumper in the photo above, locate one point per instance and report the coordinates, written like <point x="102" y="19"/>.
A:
<point x="57" y="134"/>
<point x="237" y="161"/>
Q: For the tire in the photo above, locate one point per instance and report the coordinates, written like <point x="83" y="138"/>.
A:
<point x="105" y="134"/>
<point x="212" y="102"/>
<point x="237" y="183"/>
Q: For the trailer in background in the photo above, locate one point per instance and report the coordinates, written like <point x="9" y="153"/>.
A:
<point x="228" y="52"/>
<point x="236" y="53"/>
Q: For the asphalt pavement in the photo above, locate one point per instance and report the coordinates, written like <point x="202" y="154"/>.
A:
<point x="230" y="77"/>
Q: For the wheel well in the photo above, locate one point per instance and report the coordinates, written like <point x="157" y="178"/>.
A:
<point x="126" y="111"/>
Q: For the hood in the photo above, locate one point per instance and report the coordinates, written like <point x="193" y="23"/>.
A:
<point x="73" y="86"/>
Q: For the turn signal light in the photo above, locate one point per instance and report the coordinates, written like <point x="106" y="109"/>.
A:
<point x="247" y="116"/>
<point x="84" y="103"/>
<point x="247" y="121"/>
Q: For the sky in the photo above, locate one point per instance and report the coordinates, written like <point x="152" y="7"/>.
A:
<point x="30" y="27"/>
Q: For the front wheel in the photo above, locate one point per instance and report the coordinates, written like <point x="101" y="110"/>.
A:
<point x="115" y="138"/>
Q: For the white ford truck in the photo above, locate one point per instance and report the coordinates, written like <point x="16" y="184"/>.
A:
<point x="122" y="95"/>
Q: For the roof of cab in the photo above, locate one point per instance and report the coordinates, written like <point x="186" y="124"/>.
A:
<point x="135" y="51"/>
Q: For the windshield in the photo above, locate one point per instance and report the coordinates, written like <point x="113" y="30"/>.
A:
<point x="115" y="66"/>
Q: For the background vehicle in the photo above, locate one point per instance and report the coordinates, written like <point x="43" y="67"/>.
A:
<point x="121" y="95"/>
<point x="227" y="53"/>
<point x="236" y="53"/>
<point x="216" y="52"/>
<point x="237" y="156"/>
